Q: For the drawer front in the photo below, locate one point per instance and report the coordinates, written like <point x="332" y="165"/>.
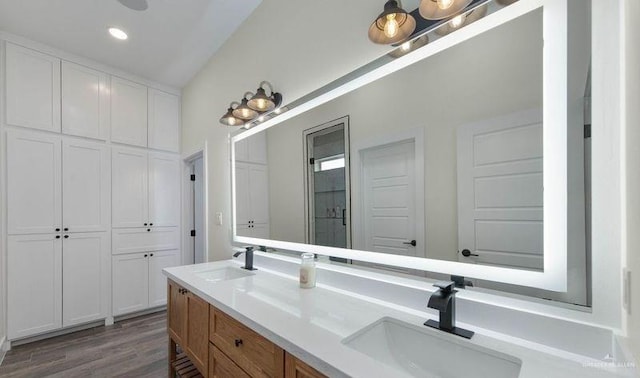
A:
<point x="134" y="240"/>
<point x="220" y="366"/>
<point x="253" y="353"/>
<point x="297" y="369"/>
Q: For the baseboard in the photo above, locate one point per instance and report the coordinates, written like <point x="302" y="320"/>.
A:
<point x="140" y="313"/>
<point x="60" y="332"/>
<point x="3" y="348"/>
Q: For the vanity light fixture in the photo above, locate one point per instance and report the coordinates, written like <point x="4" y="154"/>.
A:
<point x="243" y="111"/>
<point x="462" y="20"/>
<point x="409" y="46"/>
<point x="260" y="102"/>
<point x="229" y="119"/>
<point x="393" y="25"/>
<point x="439" y="9"/>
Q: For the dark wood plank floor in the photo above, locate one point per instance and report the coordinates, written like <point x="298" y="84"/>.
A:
<point x="131" y="348"/>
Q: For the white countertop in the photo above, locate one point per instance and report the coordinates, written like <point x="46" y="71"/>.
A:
<point x="311" y="324"/>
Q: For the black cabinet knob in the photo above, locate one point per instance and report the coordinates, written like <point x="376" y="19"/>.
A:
<point x="145" y="255"/>
<point x="57" y="236"/>
<point x="238" y="342"/>
<point x="150" y="224"/>
<point x="145" y="224"/>
<point x="148" y="229"/>
<point x="467" y="253"/>
<point x="66" y="236"/>
<point x="151" y="255"/>
<point x="66" y="228"/>
<point x="57" y="230"/>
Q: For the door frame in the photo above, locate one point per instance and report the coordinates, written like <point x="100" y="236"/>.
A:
<point x="309" y="210"/>
<point x="417" y="135"/>
<point x="188" y="248"/>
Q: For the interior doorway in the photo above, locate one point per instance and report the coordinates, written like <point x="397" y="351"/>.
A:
<point x="195" y="210"/>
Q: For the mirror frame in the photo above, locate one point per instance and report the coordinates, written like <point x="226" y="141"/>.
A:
<point x="555" y="112"/>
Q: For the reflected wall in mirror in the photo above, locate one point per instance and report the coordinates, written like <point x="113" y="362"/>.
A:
<point x="442" y="160"/>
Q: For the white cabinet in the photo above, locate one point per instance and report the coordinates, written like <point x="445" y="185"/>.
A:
<point x="252" y="149"/>
<point x="146" y="189"/>
<point x="128" y="112"/>
<point x="33" y="183"/>
<point x="129" y="188"/>
<point x="254" y="230"/>
<point x="130" y="240"/>
<point x="85" y="186"/>
<point x="164" y="190"/>
<point x="138" y="282"/>
<point x="252" y="195"/>
<point x="32" y="89"/>
<point x="85" y="277"/>
<point x="34" y="284"/>
<point x="164" y="121"/>
<point x="130" y="283"/>
<point x="85" y="102"/>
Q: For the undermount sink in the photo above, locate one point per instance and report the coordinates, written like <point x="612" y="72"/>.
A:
<point x="223" y="274"/>
<point x="422" y="352"/>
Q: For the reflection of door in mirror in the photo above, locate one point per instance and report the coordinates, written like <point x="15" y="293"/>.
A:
<point x="327" y="185"/>
<point x="252" y="183"/>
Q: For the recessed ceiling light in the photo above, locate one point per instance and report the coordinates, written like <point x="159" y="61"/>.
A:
<point x="118" y="33"/>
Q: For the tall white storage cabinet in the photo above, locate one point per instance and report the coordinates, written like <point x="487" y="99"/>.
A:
<point x="89" y="226"/>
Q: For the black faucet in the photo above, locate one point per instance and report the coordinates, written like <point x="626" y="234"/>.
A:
<point x="444" y="300"/>
<point x="248" y="258"/>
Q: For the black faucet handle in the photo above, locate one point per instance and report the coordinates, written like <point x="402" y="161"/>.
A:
<point x="445" y="286"/>
<point x="249" y="248"/>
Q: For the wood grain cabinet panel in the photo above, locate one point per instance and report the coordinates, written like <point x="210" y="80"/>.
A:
<point x="294" y="368"/>
<point x="253" y="353"/>
<point x="197" y="343"/>
<point x="176" y="308"/>
<point x="220" y="366"/>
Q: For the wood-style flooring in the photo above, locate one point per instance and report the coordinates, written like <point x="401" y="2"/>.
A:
<point x="131" y="348"/>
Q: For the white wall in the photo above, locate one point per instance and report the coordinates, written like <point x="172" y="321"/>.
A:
<point x="298" y="46"/>
<point x="633" y="166"/>
<point x="437" y="94"/>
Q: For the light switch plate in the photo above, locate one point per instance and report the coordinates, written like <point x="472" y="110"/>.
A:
<point x="626" y="290"/>
<point x="219" y="219"/>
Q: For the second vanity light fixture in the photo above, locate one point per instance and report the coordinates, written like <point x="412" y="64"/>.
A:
<point x="253" y="107"/>
<point x="396" y="26"/>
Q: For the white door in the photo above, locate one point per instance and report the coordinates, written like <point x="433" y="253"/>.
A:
<point x="128" y="112"/>
<point x="85" y="186"/>
<point x="85" y="277"/>
<point x="33" y="183"/>
<point x="157" y="280"/>
<point x="500" y="192"/>
<point x="85" y="102"/>
<point x="32" y="89"/>
<point x="390" y="222"/>
<point x="164" y="190"/>
<point x="200" y="249"/>
<point x="34" y="284"/>
<point x="258" y="193"/>
<point x="164" y="121"/>
<point x="242" y="194"/>
<point x="130" y="283"/>
<point x="129" y="188"/>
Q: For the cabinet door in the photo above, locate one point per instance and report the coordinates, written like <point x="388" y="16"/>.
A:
<point x="129" y="188"/>
<point x="164" y="190"/>
<point x="130" y="283"/>
<point x="258" y="148"/>
<point x="177" y="312"/>
<point x="85" y="270"/>
<point x="294" y="368"/>
<point x="85" y="102"/>
<point x="130" y="240"/>
<point x="34" y="284"/>
<point x="32" y="89"/>
<point x="33" y="183"/>
<point x="243" y="215"/>
<point x="85" y="186"/>
<point x="164" y="121"/>
<point x="241" y="150"/>
<point x="259" y="193"/>
<point x="128" y="112"/>
<point x="260" y="231"/>
<point x="197" y="343"/>
<point x="157" y="280"/>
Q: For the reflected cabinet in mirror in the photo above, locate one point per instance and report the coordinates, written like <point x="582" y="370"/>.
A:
<point x="470" y="158"/>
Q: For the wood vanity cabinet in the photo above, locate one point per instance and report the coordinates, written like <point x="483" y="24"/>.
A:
<point x="220" y="346"/>
<point x="188" y="323"/>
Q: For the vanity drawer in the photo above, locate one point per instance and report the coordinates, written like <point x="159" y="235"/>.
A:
<point x="132" y="240"/>
<point x="220" y="366"/>
<point x="253" y="353"/>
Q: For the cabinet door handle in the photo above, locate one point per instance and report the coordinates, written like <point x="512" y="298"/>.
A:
<point x="238" y="342"/>
<point x="57" y="230"/>
<point x="467" y="253"/>
<point x="66" y="229"/>
<point x="148" y="229"/>
<point x="150" y="224"/>
<point x="145" y="224"/>
<point x="66" y="236"/>
<point x="57" y="236"/>
<point x="151" y="255"/>
<point x="145" y="255"/>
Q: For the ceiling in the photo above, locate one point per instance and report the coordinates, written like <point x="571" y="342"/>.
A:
<point x="168" y="43"/>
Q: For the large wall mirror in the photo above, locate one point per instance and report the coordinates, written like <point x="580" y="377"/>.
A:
<point x="466" y="156"/>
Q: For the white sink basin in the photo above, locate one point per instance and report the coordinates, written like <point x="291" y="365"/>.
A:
<point x="223" y="274"/>
<point x="423" y="352"/>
